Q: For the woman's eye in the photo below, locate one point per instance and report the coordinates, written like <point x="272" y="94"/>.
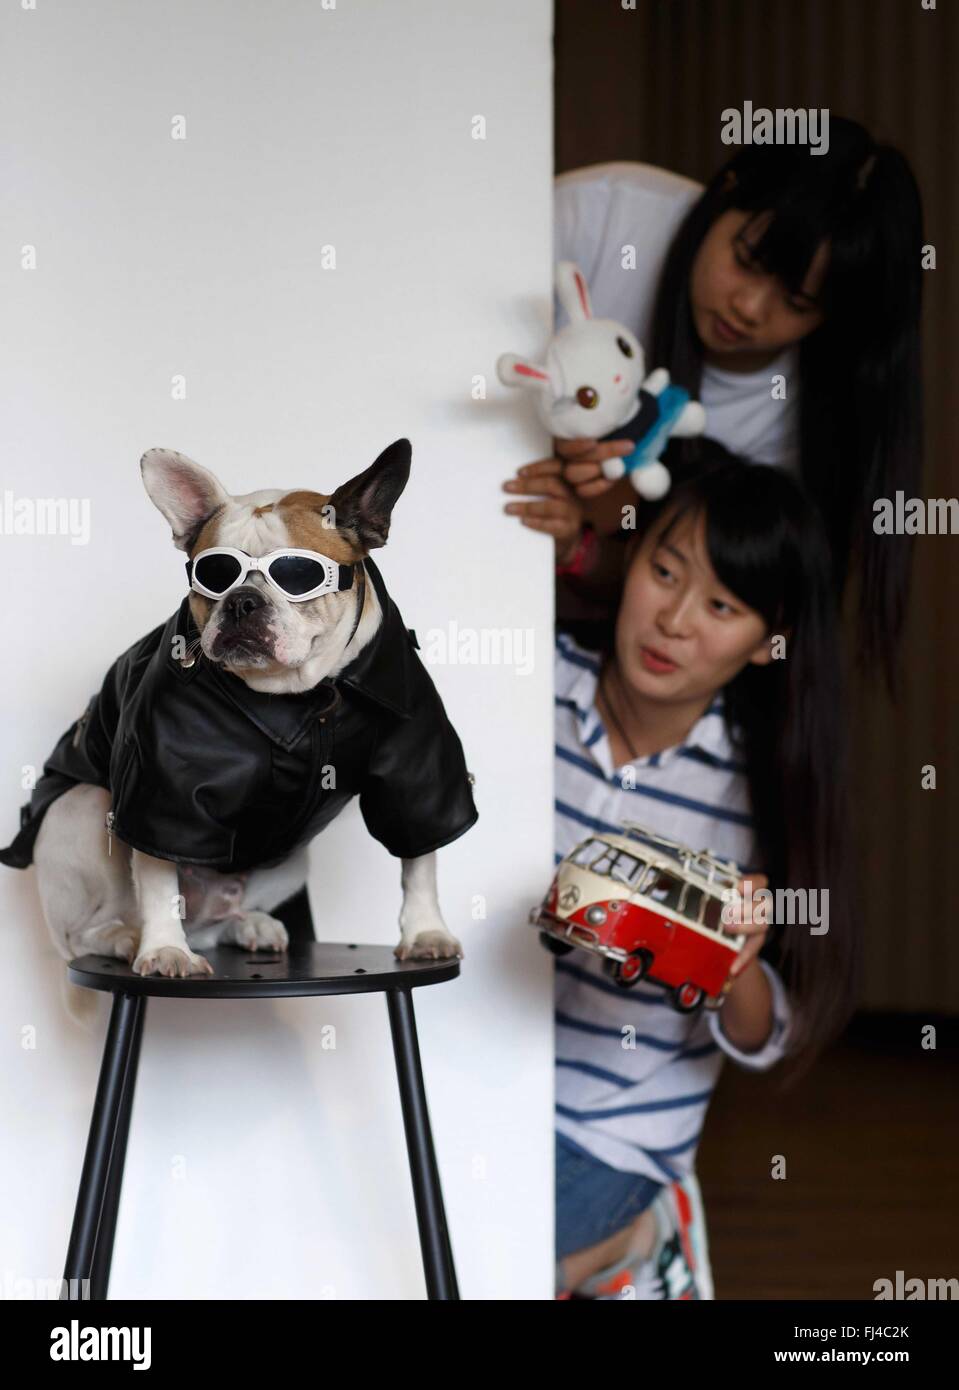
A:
<point x="587" y="398"/>
<point x="624" y="347"/>
<point x="721" y="606"/>
<point x="661" y="570"/>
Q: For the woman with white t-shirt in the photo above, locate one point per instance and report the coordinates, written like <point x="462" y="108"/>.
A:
<point x="790" y="271"/>
<point x="600" y="214"/>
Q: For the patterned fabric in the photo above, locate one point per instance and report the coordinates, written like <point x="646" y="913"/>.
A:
<point x="683" y="1269"/>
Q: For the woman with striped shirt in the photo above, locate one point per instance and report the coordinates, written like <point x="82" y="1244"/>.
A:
<point x="713" y="718"/>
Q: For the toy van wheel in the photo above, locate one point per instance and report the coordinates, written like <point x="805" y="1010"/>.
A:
<point x="555" y="948"/>
<point x="629" y="972"/>
<point x="687" y="998"/>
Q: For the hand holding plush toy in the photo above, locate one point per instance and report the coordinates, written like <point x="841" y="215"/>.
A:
<point x="592" y="385"/>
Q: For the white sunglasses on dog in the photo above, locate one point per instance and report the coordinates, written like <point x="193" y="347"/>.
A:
<point x="296" y="574"/>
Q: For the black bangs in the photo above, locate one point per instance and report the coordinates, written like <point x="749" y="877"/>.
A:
<point x="813" y="198"/>
<point x="787" y="244"/>
<point x="761" y="534"/>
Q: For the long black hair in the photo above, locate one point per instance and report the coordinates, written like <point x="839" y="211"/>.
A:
<point x="860" y="392"/>
<point x="768" y="546"/>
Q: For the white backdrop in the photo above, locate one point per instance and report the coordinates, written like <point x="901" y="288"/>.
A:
<point x="262" y="1164"/>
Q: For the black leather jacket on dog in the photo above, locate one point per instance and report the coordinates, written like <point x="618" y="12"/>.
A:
<point x="204" y="770"/>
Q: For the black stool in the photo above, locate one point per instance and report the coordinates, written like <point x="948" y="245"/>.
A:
<point x="307" y="968"/>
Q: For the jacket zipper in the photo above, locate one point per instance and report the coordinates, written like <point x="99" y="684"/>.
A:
<point x="320" y="753"/>
<point x="110" y="819"/>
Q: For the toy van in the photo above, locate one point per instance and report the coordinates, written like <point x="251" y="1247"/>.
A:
<point x="652" y="908"/>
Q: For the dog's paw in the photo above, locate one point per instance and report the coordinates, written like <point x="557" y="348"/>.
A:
<point x="126" y="944"/>
<point x="256" y="931"/>
<point x="117" y="939"/>
<point x="429" y="945"/>
<point x="171" y="961"/>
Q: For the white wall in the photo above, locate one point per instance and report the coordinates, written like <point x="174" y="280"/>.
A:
<point x="261" y="1164"/>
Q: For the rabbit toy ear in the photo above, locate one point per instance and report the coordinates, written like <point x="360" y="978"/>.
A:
<point x="573" y="292"/>
<point x="517" y="371"/>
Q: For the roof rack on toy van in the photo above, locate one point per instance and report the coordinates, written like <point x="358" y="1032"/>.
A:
<point x="708" y="868"/>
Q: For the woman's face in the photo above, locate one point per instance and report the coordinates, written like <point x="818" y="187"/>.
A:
<point x="681" y="634"/>
<point x="743" y="314"/>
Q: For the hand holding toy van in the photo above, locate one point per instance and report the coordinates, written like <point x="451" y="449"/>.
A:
<point x="592" y="384"/>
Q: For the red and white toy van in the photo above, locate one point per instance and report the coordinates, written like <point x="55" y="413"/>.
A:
<point x="652" y="908"/>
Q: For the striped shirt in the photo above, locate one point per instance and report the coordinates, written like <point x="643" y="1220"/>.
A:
<point x="641" y="1107"/>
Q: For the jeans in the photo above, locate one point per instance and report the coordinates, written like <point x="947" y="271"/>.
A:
<point x="593" y="1200"/>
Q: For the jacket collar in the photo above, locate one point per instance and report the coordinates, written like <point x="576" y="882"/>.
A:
<point x="381" y="669"/>
<point x="379" y="672"/>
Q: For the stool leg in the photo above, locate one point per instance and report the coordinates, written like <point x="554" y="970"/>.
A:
<point x="103" y="1250"/>
<point x="427" y="1193"/>
<point x="99" y="1193"/>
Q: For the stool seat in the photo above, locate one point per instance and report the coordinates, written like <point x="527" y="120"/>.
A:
<point x="327" y="967"/>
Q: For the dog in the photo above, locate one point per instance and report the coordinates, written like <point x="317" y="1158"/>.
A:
<point x="145" y="757"/>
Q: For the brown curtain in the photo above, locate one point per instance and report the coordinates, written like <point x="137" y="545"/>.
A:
<point x="650" y="85"/>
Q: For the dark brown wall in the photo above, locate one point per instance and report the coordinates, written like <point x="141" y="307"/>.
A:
<point x="650" y="85"/>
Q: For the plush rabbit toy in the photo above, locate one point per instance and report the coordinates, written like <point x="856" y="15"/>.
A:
<point x="592" y="386"/>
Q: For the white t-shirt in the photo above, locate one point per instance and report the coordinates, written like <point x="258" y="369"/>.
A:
<point x="599" y="210"/>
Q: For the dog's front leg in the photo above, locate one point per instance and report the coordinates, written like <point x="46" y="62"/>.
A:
<point x="423" y="933"/>
<point x="163" y="943"/>
<point x="253" y="927"/>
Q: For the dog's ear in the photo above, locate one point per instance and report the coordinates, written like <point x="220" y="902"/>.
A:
<point x="365" y="503"/>
<point x="186" y="493"/>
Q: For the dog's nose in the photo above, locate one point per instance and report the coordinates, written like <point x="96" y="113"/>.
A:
<point x="241" y="603"/>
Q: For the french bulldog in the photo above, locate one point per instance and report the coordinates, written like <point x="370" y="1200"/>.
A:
<point x="101" y="896"/>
